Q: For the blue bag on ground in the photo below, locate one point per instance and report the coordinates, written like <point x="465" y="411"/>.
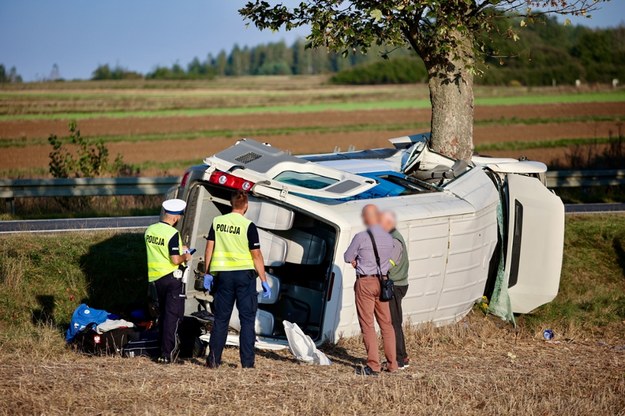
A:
<point x="82" y="317"/>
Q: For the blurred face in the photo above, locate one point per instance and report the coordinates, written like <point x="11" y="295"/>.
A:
<point x="370" y="215"/>
<point x="387" y="222"/>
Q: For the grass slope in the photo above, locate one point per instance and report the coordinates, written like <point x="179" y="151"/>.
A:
<point x="47" y="276"/>
<point x="592" y="289"/>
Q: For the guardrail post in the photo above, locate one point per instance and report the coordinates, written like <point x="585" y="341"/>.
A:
<point x="10" y="202"/>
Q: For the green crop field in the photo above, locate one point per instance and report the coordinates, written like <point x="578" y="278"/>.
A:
<point x="347" y="106"/>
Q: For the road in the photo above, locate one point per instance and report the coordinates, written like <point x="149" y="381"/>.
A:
<point x="140" y="223"/>
<point x="594" y="208"/>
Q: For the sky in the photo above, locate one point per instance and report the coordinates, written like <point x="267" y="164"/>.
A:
<point x="78" y="35"/>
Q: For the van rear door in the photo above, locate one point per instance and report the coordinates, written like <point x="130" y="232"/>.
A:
<point x="535" y="243"/>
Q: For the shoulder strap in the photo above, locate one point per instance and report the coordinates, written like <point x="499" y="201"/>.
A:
<point x="375" y="252"/>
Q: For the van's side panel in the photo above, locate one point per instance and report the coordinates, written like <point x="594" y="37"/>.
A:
<point x="450" y="238"/>
<point x="472" y="239"/>
<point x="427" y="241"/>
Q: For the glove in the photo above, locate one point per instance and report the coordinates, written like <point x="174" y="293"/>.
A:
<point x="208" y="281"/>
<point x="266" y="290"/>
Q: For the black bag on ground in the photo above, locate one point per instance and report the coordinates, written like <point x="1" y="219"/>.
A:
<point x="143" y="344"/>
<point x="112" y="342"/>
<point x="386" y="285"/>
<point x="189" y="332"/>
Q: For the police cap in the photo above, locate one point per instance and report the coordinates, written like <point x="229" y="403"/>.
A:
<point x="174" y="206"/>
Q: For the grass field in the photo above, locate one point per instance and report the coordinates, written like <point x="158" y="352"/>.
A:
<point x="162" y="127"/>
<point x="478" y="366"/>
<point x="347" y="106"/>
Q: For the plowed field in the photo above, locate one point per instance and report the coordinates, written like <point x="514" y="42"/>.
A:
<point x="166" y="144"/>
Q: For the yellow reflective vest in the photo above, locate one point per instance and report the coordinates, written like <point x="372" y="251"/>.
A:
<point x="157" y="238"/>
<point x="232" y="251"/>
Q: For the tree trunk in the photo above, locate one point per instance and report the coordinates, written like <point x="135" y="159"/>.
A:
<point x="451" y="94"/>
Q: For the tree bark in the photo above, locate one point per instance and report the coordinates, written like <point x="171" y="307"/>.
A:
<point x="451" y="93"/>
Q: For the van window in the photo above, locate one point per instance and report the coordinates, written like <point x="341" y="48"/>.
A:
<point x="409" y="186"/>
<point x="305" y="179"/>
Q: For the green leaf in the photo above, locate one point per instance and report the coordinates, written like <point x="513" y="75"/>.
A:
<point x="376" y="14"/>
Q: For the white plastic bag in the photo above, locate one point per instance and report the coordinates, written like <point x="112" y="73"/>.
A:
<point x="302" y="346"/>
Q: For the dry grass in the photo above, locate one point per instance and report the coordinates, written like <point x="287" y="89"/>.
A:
<point x="478" y="366"/>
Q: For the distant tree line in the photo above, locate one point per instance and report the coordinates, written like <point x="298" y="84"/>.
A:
<point x="266" y="59"/>
<point x="9" y="77"/>
<point x="545" y="53"/>
<point x="550" y="52"/>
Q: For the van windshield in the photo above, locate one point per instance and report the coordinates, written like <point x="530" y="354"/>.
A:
<point x="305" y="179"/>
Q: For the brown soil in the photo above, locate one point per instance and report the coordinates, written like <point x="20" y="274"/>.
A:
<point x="129" y="126"/>
<point x="198" y="149"/>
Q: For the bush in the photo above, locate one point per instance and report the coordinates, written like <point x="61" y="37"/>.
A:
<point x="105" y="72"/>
<point x="89" y="160"/>
<point x="392" y="71"/>
<point x="177" y="72"/>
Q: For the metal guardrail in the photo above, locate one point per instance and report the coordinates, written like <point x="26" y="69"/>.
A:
<point x="23" y="188"/>
<point x="28" y="188"/>
<point x="585" y="178"/>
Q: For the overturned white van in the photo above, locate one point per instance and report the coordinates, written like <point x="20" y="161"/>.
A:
<point x="461" y="222"/>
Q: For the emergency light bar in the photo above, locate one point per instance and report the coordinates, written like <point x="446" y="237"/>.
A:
<point x="230" y="181"/>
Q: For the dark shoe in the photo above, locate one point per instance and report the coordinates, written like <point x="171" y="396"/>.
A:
<point x="399" y="366"/>
<point x="163" y="360"/>
<point x="402" y="365"/>
<point x="366" y="371"/>
<point x="211" y="364"/>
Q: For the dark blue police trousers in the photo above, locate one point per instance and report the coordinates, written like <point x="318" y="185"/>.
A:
<point x="230" y="287"/>
<point x="171" y="307"/>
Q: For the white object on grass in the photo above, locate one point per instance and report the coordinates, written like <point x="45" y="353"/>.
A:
<point x="302" y="346"/>
<point x="260" y="344"/>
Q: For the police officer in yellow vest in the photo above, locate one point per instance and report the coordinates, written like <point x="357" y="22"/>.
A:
<point x="166" y="259"/>
<point x="233" y="253"/>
